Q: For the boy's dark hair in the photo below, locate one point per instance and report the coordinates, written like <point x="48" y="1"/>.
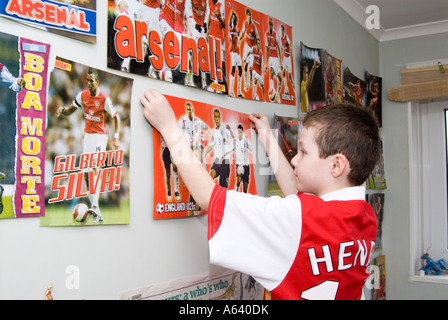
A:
<point x="351" y="131"/>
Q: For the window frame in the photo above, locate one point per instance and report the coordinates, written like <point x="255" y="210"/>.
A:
<point x="428" y="184"/>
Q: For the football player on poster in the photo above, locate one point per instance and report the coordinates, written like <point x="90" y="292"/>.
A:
<point x="312" y="80"/>
<point x="220" y="143"/>
<point x="87" y="146"/>
<point x="249" y="33"/>
<point x="374" y="96"/>
<point x="96" y="107"/>
<point x="216" y="28"/>
<point x="242" y="169"/>
<point x="286" y="50"/>
<point x="273" y="54"/>
<point x="199" y="29"/>
<point x="193" y="129"/>
<point x="354" y="89"/>
<point x="257" y="70"/>
<point x="235" y="57"/>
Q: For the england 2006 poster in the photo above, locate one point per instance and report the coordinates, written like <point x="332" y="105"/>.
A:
<point x="87" y="146"/>
<point x="220" y="139"/>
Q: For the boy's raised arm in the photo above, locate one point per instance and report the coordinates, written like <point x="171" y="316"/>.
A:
<point x="283" y="170"/>
<point x="160" y="115"/>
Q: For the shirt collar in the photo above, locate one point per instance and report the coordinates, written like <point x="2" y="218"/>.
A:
<point x="352" y="193"/>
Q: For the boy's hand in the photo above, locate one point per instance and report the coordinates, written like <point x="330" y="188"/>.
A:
<point x="261" y="125"/>
<point x="158" y="111"/>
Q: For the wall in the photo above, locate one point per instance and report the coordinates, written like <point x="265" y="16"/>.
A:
<point x="113" y="259"/>
<point x="396" y="225"/>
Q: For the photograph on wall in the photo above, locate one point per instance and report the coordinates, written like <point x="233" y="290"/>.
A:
<point x="377" y="179"/>
<point x="354" y="89"/>
<point x="177" y="41"/>
<point x="259" y="59"/>
<point x="287" y="131"/>
<point x="280" y="84"/>
<point x="219" y="284"/>
<point x="70" y="18"/>
<point x="374" y="97"/>
<point x="333" y="79"/>
<point x="87" y="147"/>
<point x="246" y="54"/>
<point x="312" y="80"/>
<point x="220" y="138"/>
<point x="23" y="92"/>
<point x="376" y="200"/>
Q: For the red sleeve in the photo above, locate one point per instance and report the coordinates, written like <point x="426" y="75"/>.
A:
<point x="216" y="210"/>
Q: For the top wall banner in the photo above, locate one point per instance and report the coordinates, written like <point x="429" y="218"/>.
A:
<point x="219" y="46"/>
<point x="76" y="20"/>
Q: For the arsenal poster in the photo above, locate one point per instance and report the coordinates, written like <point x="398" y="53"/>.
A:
<point x="219" y="46"/>
<point x="87" y="139"/>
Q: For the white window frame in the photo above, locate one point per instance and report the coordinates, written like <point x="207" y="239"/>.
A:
<point x="428" y="185"/>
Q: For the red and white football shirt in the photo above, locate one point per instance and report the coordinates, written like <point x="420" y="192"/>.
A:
<point x="96" y="108"/>
<point x="297" y="247"/>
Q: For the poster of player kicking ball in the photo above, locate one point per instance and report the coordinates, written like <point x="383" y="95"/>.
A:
<point x="87" y="152"/>
<point x="220" y="139"/>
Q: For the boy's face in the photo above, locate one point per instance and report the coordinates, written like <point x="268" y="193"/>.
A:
<point x="311" y="172"/>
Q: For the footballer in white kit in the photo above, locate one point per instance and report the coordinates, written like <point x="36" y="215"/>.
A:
<point x="220" y="143"/>
<point x="242" y="146"/>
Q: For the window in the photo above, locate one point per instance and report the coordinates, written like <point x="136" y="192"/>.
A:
<point x="428" y="132"/>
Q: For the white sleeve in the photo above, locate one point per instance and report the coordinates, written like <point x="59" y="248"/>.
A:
<point x="77" y="102"/>
<point x="258" y="236"/>
<point x="110" y="107"/>
<point x="8" y="80"/>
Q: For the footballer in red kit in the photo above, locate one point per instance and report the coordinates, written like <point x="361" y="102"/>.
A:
<point x="96" y="107"/>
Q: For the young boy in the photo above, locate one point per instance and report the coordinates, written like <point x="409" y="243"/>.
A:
<point x="316" y="242"/>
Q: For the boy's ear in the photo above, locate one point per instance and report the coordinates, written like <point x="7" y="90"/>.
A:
<point x="339" y="164"/>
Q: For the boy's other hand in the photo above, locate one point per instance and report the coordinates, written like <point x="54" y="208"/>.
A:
<point x="158" y="112"/>
<point x="261" y="124"/>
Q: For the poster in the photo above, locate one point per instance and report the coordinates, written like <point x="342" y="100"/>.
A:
<point x="374" y="97"/>
<point x="354" y="89"/>
<point x="219" y="284"/>
<point x="178" y="41"/>
<point x="377" y="179"/>
<point x="260" y="56"/>
<point x="320" y="79"/>
<point x="220" y="46"/>
<point x="312" y="82"/>
<point x="220" y="138"/>
<point x="23" y="92"/>
<point x="87" y="146"/>
<point x="75" y="19"/>
<point x="333" y="79"/>
<point x="287" y="132"/>
<point x="376" y="201"/>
